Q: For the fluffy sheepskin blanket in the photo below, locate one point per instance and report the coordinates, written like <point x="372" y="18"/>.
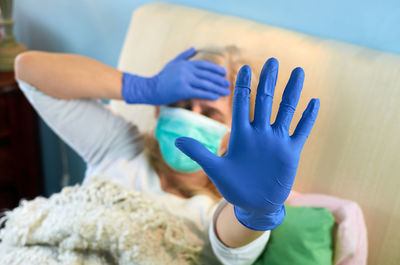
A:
<point x="96" y="223"/>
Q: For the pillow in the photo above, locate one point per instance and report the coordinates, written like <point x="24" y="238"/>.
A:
<point x="304" y="237"/>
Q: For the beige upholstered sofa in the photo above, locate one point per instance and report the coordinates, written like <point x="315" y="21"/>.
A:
<point x="354" y="149"/>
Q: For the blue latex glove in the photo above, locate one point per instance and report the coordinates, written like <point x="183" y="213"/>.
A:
<point x="180" y="79"/>
<point x="258" y="170"/>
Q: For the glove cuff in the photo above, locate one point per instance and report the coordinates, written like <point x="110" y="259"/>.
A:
<point x="260" y="221"/>
<point x="137" y="89"/>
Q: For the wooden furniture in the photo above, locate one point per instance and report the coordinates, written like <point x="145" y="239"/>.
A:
<point x="20" y="163"/>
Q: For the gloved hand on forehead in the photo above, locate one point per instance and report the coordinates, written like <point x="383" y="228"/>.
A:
<point x="180" y="79"/>
<point x="257" y="172"/>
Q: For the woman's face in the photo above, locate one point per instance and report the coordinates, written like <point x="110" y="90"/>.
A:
<point x="219" y="110"/>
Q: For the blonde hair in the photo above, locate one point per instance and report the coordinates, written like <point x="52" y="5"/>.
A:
<point x="228" y="57"/>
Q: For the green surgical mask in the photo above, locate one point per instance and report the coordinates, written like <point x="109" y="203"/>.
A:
<point x="176" y="122"/>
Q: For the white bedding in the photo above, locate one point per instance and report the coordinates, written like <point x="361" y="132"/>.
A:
<point x="97" y="223"/>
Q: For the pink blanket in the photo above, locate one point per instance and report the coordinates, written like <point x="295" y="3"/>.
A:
<point x="350" y="243"/>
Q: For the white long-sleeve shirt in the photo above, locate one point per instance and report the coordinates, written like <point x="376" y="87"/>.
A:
<point x="112" y="146"/>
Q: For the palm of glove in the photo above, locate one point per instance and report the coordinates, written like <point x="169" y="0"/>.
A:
<point x="257" y="173"/>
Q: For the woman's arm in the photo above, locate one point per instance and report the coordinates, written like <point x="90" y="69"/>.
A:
<point x="90" y="128"/>
<point x="68" y="76"/>
<point x="56" y="84"/>
<point x="231" y="232"/>
<point x="236" y="253"/>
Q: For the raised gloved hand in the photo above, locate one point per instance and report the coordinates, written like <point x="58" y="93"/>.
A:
<point x="180" y="79"/>
<point x="258" y="170"/>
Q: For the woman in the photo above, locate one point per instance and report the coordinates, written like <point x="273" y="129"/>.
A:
<point x="258" y="166"/>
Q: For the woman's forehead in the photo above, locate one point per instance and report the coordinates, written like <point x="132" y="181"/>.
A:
<point x="221" y="103"/>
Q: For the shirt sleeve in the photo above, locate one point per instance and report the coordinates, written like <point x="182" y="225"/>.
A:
<point x="245" y="255"/>
<point x="90" y="128"/>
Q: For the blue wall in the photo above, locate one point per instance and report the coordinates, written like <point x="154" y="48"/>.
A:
<point x="96" y="28"/>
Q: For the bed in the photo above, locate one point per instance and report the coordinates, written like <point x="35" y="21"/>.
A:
<point x="354" y="149"/>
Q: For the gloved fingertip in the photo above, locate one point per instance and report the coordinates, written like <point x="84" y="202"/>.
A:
<point x="185" y="55"/>
<point x="313" y="105"/>
<point x="245" y="69"/>
<point x="180" y="141"/>
<point x="244" y="77"/>
<point x="227" y="92"/>
<point x="192" y="49"/>
<point x="214" y="97"/>
<point x="222" y="70"/>
<point x="316" y="105"/>
<point x="317" y="102"/>
<point x="298" y="71"/>
<point x="272" y="62"/>
<point x="227" y="83"/>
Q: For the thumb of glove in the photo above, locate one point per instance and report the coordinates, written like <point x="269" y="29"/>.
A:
<point x="196" y="151"/>
<point x="185" y="55"/>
